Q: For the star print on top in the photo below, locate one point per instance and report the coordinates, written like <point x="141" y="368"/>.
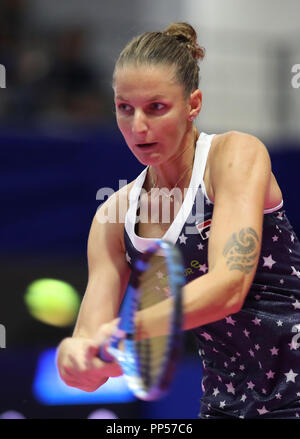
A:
<point x="251" y="360"/>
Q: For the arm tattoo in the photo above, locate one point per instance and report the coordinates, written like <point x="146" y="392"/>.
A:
<point x="241" y="251"/>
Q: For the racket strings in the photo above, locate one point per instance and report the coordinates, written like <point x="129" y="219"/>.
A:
<point x="152" y="351"/>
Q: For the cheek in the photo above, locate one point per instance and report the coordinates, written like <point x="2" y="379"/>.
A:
<point x="173" y="127"/>
<point x="123" y="126"/>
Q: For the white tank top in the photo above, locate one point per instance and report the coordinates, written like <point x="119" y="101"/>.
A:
<point x="203" y="145"/>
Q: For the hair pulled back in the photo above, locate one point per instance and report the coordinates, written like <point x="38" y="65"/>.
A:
<point x="175" y="46"/>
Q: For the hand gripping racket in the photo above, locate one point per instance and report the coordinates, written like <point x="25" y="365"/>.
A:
<point x="149" y="364"/>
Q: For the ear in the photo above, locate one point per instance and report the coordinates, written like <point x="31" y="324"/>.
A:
<point x="195" y="104"/>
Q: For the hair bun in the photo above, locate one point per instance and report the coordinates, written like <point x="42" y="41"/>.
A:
<point x="186" y="34"/>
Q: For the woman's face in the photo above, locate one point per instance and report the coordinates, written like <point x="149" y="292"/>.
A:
<point x="152" y="112"/>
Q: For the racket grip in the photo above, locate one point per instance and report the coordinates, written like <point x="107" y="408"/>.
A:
<point x="103" y="353"/>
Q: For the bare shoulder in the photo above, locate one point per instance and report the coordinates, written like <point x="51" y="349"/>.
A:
<point x="245" y="150"/>
<point x="236" y="141"/>
<point x="228" y="149"/>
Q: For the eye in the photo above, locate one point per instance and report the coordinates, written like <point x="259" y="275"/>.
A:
<point x="157" y="106"/>
<point x="124" y="108"/>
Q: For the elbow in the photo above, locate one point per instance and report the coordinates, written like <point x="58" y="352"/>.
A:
<point x="235" y="296"/>
<point x="234" y="305"/>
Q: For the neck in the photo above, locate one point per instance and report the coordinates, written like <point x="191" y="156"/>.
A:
<point x="167" y="174"/>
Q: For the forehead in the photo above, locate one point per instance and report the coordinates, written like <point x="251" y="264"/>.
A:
<point x="146" y="81"/>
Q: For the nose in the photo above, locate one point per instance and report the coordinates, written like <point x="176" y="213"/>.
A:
<point x="139" y="124"/>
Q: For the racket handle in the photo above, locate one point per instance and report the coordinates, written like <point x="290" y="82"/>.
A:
<point x="103" y="353"/>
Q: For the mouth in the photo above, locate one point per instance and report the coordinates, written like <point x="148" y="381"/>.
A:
<point x="146" y="145"/>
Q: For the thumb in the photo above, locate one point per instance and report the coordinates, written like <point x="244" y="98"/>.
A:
<point x="105" y="331"/>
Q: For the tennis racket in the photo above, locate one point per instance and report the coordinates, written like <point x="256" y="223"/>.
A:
<point x="149" y="364"/>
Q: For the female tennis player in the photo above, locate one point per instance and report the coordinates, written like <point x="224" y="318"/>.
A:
<point x="241" y="255"/>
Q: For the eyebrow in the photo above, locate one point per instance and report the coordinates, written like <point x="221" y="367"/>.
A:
<point x="153" y="98"/>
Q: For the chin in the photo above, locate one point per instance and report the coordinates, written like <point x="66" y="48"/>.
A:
<point x="149" y="161"/>
<point x="153" y="159"/>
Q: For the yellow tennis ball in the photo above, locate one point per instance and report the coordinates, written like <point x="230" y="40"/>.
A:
<point x="52" y="301"/>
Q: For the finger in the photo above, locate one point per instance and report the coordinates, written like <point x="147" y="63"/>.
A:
<point x="91" y="387"/>
<point x="92" y="351"/>
<point x="96" y="363"/>
<point x="115" y="370"/>
<point x="69" y="373"/>
<point x="87" y="377"/>
<point x="85" y="384"/>
<point x="110" y="369"/>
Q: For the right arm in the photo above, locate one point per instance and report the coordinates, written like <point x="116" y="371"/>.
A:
<point x="77" y="359"/>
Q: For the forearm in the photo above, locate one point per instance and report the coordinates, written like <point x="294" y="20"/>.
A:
<point x="209" y="299"/>
<point x="205" y="300"/>
<point x="100" y="305"/>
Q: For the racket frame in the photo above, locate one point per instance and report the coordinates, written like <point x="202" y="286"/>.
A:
<point x="128" y="356"/>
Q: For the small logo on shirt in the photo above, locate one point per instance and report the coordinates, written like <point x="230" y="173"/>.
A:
<point x="203" y="229"/>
